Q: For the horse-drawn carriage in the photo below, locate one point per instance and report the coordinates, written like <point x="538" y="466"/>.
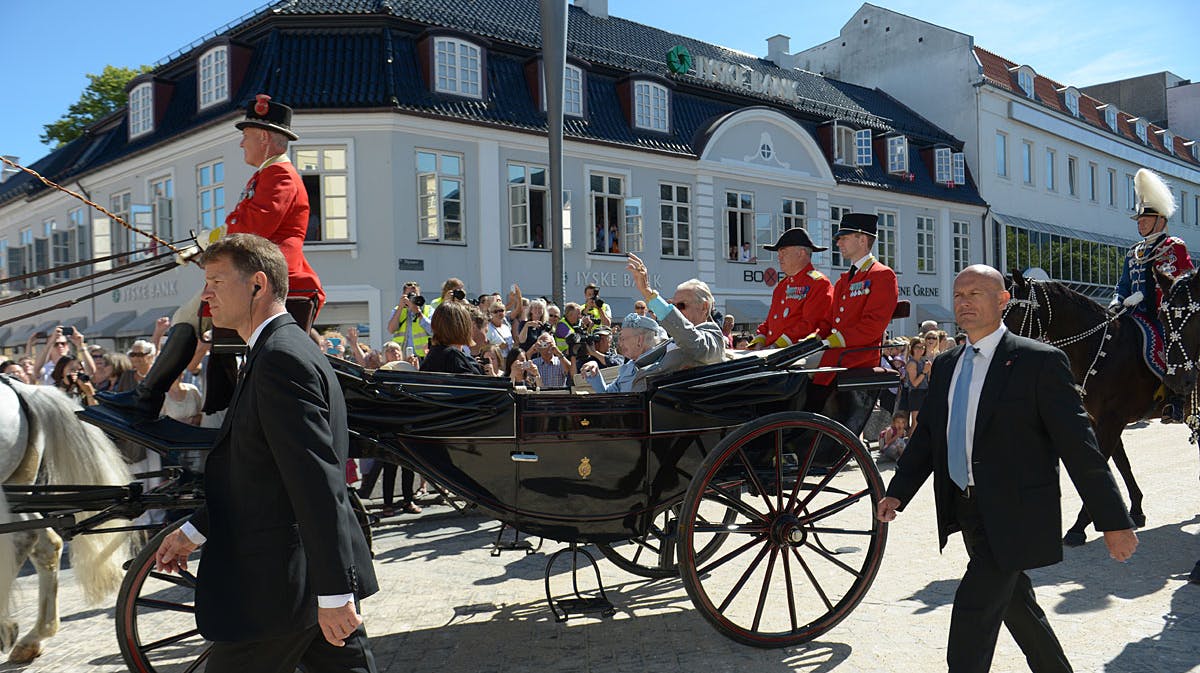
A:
<point x="766" y="512"/>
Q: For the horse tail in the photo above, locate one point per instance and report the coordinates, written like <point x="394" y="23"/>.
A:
<point x="78" y="453"/>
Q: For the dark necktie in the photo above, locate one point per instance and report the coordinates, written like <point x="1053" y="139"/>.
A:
<point x="853" y="270"/>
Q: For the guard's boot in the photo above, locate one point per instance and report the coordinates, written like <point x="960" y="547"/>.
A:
<point x="1172" y="411"/>
<point x="146" y="399"/>
<point x="220" y="380"/>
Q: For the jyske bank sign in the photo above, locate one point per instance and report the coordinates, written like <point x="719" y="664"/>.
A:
<point x="712" y="71"/>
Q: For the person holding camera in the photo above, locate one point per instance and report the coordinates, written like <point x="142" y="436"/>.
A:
<point x="597" y="347"/>
<point x="595" y="308"/>
<point x="69" y="377"/>
<point x="58" y="346"/>
<point x="521" y="370"/>
<point x="409" y="317"/>
<point x="552" y="364"/>
<point x="533" y="328"/>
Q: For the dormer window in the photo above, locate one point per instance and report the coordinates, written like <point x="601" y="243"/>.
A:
<point x="458" y="67"/>
<point x="941" y="165"/>
<point x="1139" y="128"/>
<point x="572" y="91"/>
<point x="863" y="152"/>
<point x="960" y="168"/>
<point x="1025" y="80"/>
<point x="1195" y="150"/>
<point x="843" y="145"/>
<point x="141" y="110"/>
<point x="214" y="76"/>
<point x="1071" y="99"/>
<point x="1110" y="117"/>
<point x="651" y="106"/>
<point x="1168" y="139"/>
<point x="897" y="159"/>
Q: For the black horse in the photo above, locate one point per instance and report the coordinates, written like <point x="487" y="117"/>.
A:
<point x="1179" y="311"/>
<point x="1106" y="361"/>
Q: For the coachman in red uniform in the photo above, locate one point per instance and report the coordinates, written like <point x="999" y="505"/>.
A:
<point x="801" y="301"/>
<point x="864" y="300"/>
<point x="274" y="205"/>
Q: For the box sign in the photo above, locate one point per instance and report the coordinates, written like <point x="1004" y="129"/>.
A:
<point x="713" y="71"/>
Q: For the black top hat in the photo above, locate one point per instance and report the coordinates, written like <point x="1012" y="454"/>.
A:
<point x="263" y="114"/>
<point x="796" y="236"/>
<point x="858" y="223"/>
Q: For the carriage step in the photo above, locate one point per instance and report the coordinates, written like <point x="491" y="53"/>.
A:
<point x="577" y="604"/>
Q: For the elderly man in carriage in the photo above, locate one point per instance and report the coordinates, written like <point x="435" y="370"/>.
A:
<point x="1138" y="289"/>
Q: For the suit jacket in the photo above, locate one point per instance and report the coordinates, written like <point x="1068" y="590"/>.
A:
<point x="277" y="517"/>
<point x="1029" y="417"/>
<point x="862" y="308"/>
<point x="274" y="205"/>
<point x="701" y="344"/>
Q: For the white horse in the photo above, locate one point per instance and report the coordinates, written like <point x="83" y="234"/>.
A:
<point x="39" y="433"/>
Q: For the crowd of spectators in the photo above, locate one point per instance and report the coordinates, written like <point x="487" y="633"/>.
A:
<point x="911" y="357"/>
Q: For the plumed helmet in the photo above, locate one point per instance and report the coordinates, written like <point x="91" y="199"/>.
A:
<point x="1153" y="194"/>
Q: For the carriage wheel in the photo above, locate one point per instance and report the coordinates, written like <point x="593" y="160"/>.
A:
<point x="156" y="624"/>
<point x="804" y="546"/>
<point x="653" y="555"/>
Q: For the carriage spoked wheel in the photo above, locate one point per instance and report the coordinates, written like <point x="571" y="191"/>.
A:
<point x="804" y="546"/>
<point x="156" y="625"/>
<point x="653" y="555"/>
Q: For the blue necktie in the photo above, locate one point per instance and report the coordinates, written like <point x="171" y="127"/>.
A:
<point x="957" y="441"/>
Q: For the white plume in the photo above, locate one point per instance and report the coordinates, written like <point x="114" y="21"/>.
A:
<point x="1153" y="191"/>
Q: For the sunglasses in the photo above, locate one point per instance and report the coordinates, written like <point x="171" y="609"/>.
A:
<point x="135" y="354"/>
<point x="499" y="310"/>
<point x="681" y="305"/>
<point x="60" y="343"/>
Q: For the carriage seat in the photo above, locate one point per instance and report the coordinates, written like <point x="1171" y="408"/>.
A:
<point x="864" y="378"/>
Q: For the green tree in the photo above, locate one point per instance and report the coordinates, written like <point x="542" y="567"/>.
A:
<point x="104" y="94"/>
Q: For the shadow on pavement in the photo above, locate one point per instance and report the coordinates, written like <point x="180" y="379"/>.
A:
<point x="934" y="595"/>
<point x="1174" y="649"/>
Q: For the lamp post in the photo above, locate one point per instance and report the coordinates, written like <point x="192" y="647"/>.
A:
<point x="554" y="61"/>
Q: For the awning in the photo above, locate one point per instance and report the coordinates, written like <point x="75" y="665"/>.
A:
<point x="935" y="312"/>
<point x="21" y="333"/>
<point x="12" y="337"/>
<point x="79" y="322"/>
<point x="1047" y="228"/>
<point x="747" y="311"/>
<point x="143" y="325"/>
<point x="106" y="327"/>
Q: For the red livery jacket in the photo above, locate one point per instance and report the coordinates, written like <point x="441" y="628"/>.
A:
<point x="274" y="205"/>
<point x="798" y="305"/>
<point x="862" y="308"/>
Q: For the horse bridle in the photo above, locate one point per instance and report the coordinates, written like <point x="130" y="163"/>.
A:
<point x="1175" y="318"/>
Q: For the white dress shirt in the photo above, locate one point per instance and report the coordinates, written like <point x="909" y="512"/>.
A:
<point x="198" y="538"/>
<point x="983" y="351"/>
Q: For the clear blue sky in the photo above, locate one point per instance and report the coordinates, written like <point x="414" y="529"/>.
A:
<point x="49" y="47"/>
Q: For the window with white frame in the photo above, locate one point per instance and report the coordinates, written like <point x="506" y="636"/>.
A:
<point x="28" y="262"/>
<point x="214" y="76"/>
<point x="864" y="151"/>
<point x="1001" y="155"/>
<point x="41" y="259"/>
<point x="61" y="252"/>
<point x="675" y="219"/>
<point x="1072" y="176"/>
<point x="835" y="223"/>
<point x="1025" y="81"/>
<point x="959" y="168"/>
<point x="572" y="91"/>
<point x="528" y="206"/>
<point x="1093" y="190"/>
<point x="795" y="214"/>
<point x="1183" y="207"/>
<point x="458" y="67"/>
<point x="77" y="226"/>
<point x="325" y="172"/>
<point x="141" y="110"/>
<point x="1196" y="210"/>
<point x="941" y="166"/>
<point x="1168" y="139"/>
<point x="897" y="154"/>
<point x="210" y="191"/>
<point x="843" y="145"/>
<point x="1112" y="187"/>
<point x="1130" y="194"/>
<point x="1139" y="128"/>
<point x="440" y="181"/>
<point x="162" y="202"/>
<point x="1072" y="99"/>
<point x="926" y="245"/>
<point x="651" y="106"/>
<point x="1050" y="184"/>
<point x="1027" y="162"/>
<point x="739" y="226"/>
<point x="1110" y="117"/>
<point x="1196" y="150"/>
<point x="119" y="204"/>
<point x="608" y="204"/>
<point x="962" y="245"/>
<point x="885" y="240"/>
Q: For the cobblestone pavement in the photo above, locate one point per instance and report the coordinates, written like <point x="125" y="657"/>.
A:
<point x="447" y="605"/>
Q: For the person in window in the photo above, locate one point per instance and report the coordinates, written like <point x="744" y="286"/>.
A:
<point x="274" y="205"/>
<point x="638" y="335"/>
<point x="1158" y="252"/>
<point x="450" y="353"/>
<point x="537" y="239"/>
<point x="746" y="254"/>
<point x="694" y="338"/>
<point x="614" y="237"/>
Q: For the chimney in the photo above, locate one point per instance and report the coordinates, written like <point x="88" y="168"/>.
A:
<point x="597" y="8"/>
<point x="777" y="49"/>
<point x="7" y="171"/>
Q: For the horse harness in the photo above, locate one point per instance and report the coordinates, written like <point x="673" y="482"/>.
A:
<point x="1175" y="318"/>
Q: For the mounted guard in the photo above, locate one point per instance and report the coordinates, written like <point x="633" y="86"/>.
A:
<point x="1158" y="252"/>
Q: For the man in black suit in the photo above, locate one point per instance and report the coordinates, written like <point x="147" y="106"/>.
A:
<point x="284" y="558"/>
<point x="992" y="432"/>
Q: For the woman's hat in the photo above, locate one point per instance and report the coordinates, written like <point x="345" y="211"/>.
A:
<point x="263" y="114"/>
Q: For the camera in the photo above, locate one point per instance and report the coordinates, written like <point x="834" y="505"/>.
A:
<point x="598" y="301"/>
<point x="82" y="376"/>
<point x="458" y="295"/>
<point x="416" y="299"/>
<point x="68" y="330"/>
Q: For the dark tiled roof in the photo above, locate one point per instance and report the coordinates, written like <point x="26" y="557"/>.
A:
<point x="371" y="62"/>
<point x="1001" y="72"/>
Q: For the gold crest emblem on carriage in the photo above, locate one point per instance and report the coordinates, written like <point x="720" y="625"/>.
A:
<point x="585" y="468"/>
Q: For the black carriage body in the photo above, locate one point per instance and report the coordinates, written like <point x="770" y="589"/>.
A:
<point x="567" y="467"/>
